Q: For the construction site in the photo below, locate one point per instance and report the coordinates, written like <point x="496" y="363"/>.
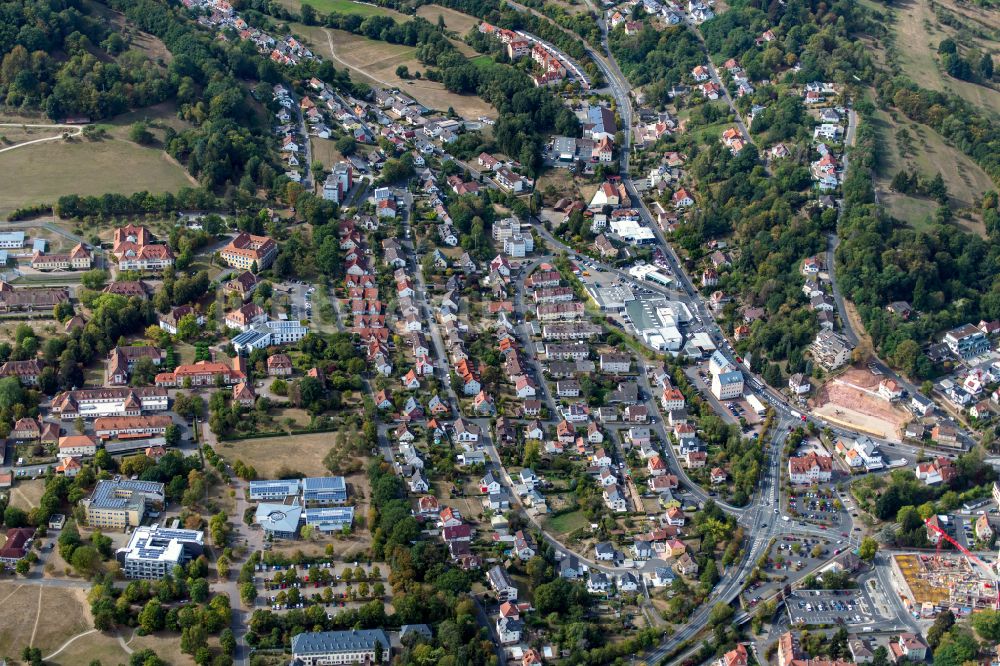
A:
<point x="929" y="583"/>
<point x="852" y="399"/>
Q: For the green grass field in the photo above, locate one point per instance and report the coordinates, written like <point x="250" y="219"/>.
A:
<point x="482" y="61"/>
<point x="44" y="172"/>
<point x="347" y="7"/>
<point x="928" y="154"/>
<point x="567" y="522"/>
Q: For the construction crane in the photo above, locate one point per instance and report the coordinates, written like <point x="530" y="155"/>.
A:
<point x="987" y="572"/>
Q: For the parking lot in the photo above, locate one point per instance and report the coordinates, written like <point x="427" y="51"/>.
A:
<point x="329" y="584"/>
<point x="789" y="559"/>
<point x="820" y="506"/>
<point x="299" y="297"/>
<point x="816" y="607"/>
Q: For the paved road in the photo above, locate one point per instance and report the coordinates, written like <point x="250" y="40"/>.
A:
<point x="744" y="130"/>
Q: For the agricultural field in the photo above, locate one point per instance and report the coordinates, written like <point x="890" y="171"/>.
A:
<point x="375" y="62"/>
<point x="918" y="33"/>
<point x="42" y="173"/>
<point x="928" y="154"/>
<point x="30" y="612"/>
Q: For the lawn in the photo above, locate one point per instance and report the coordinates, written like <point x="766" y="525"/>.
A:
<point x="30" y="616"/>
<point x="918" y="34"/>
<point x="44" y="172"/>
<point x="166" y="646"/>
<point x="376" y="62"/>
<point x="26" y="494"/>
<point x="325" y="151"/>
<point x="929" y="154"/>
<point x="346" y="7"/>
<point x="482" y="61"/>
<point x="300" y="453"/>
<point x="567" y="523"/>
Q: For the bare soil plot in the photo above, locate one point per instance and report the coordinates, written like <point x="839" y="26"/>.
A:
<point x="918" y="34"/>
<point x="557" y="183"/>
<point x="300" y="453"/>
<point x="28" y="612"/>
<point x="44" y="172"/>
<point x="375" y="62"/>
<point x="928" y="154"/>
<point x="853" y="399"/>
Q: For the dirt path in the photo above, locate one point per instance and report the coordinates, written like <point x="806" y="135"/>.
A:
<point x="170" y="158"/>
<point x="76" y="131"/>
<point x="121" y="641"/>
<point x="11" y="594"/>
<point x="333" y="54"/>
<point x="38" y="616"/>
<point x="864" y="340"/>
<point x="67" y="644"/>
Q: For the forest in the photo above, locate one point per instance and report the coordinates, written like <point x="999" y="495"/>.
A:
<point x="818" y="36"/>
<point x="948" y="275"/>
<point x="657" y="59"/>
<point x="56" y="58"/>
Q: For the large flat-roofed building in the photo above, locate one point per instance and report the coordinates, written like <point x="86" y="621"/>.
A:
<point x="357" y="646"/>
<point x="245" y="251"/>
<point x="324" y="491"/>
<point x="330" y="518"/>
<point x="117" y="504"/>
<point x="269" y="334"/>
<point x="279" y="521"/>
<point x="153" y="552"/>
<point x="12" y="240"/>
<point x="269" y="491"/>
